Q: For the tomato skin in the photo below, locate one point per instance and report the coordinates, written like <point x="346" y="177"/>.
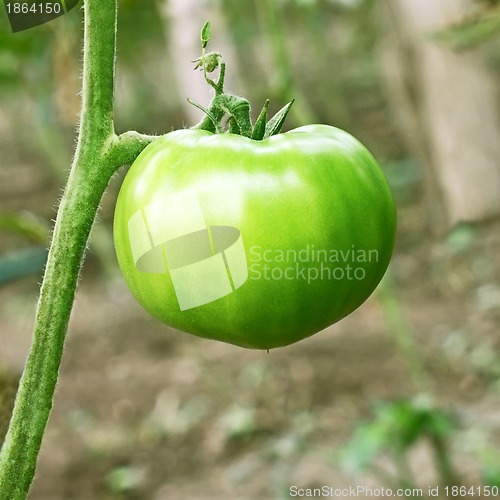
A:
<point x="314" y="190"/>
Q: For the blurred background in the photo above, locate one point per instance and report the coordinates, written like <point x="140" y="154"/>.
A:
<point x="405" y="392"/>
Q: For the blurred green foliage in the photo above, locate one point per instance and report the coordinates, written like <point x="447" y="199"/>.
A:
<point x="140" y="25"/>
<point x="305" y="51"/>
<point x="395" y="430"/>
<point x="18" y="54"/>
<point x="482" y="26"/>
<point x="405" y="177"/>
<point x="26" y="224"/>
<point x="490" y="461"/>
<point x="24" y="261"/>
<point x="124" y="479"/>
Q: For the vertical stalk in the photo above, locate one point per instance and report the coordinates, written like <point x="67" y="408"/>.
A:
<point x="402" y="333"/>
<point x="444" y="465"/>
<point x="94" y="163"/>
<point x="269" y="15"/>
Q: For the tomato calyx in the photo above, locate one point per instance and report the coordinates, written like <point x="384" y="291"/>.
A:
<point x="235" y="108"/>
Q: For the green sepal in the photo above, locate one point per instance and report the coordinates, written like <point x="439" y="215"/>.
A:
<point x="233" y="126"/>
<point x="274" y="125"/>
<point x="210" y="115"/>
<point x="259" y="127"/>
<point x="237" y="108"/>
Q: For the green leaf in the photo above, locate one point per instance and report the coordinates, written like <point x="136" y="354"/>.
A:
<point x="489" y="460"/>
<point x="367" y="442"/>
<point x="461" y="238"/>
<point x="27" y="225"/>
<point x="396" y="427"/>
<point x="206" y="34"/>
<point x="239" y="422"/>
<point x="124" y="478"/>
<point x="471" y="32"/>
<point x="23" y="262"/>
<point x="259" y="128"/>
<point x="274" y="125"/>
<point x="237" y="108"/>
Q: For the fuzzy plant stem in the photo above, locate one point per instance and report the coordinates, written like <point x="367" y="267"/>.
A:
<point x="99" y="153"/>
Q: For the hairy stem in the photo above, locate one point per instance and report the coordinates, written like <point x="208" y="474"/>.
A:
<point x="99" y="154"/>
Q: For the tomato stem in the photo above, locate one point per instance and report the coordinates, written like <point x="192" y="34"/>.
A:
<point x="236" y="108"/>
<point x="99" y="153"/>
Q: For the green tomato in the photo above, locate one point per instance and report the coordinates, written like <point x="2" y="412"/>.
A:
<point x="255" y="243"/>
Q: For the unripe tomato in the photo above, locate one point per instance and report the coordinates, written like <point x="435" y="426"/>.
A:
<point x="255" y="243"/>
